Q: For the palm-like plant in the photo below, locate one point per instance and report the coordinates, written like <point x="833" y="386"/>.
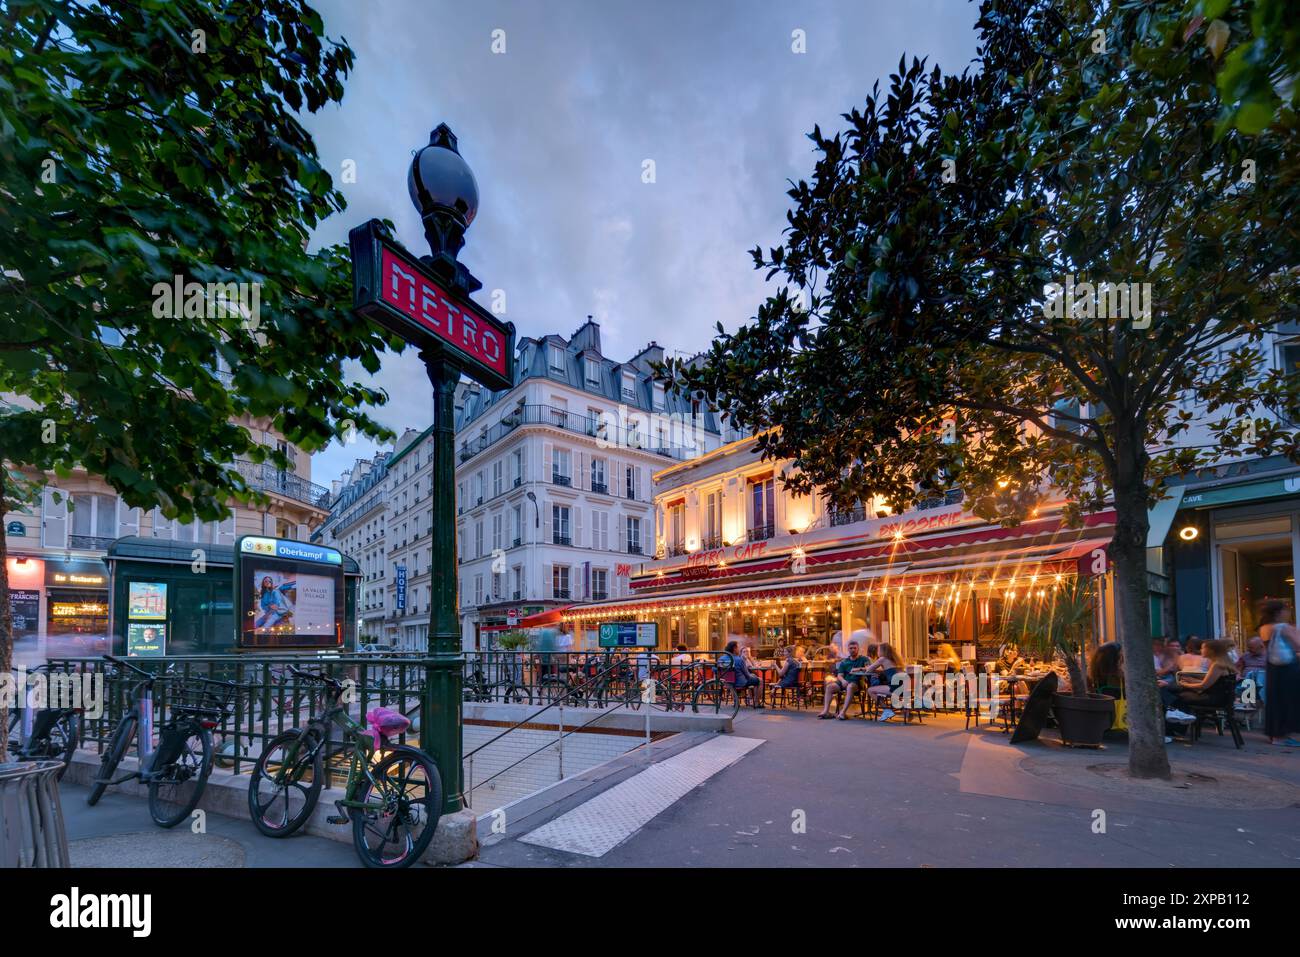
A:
<point x="1056" y="626"/>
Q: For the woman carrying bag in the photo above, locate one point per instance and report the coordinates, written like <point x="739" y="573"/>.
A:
<point x="1282" y="676"/>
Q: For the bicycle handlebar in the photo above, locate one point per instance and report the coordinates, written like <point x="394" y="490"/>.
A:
<point x="126" y="664"/>
<point x="324" y="679"/>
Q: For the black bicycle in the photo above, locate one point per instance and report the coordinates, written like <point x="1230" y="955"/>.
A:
<point x="177" y="770"/>
<point x="44" y="734"/>
<point x="479" y="689"/>
<point x="393" y="794"/>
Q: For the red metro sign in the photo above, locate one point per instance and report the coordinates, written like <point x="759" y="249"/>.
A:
<point x="399" y="292"/>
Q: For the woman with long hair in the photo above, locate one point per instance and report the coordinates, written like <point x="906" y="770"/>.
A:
<point x="887" y="663"/>
<point x="1104" y="669"/>
<point x="1282" y="676"/>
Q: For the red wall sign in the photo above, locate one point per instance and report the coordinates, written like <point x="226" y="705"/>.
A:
<point x="456" y="322"/>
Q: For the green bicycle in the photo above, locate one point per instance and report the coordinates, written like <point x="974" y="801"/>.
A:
<point x="393" y="794"/>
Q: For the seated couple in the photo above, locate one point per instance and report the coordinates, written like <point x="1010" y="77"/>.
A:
<point x="877" y="667"/>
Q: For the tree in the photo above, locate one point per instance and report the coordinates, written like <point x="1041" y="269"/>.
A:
<point x="928" y="348"/>
<point x="145" y="147"/>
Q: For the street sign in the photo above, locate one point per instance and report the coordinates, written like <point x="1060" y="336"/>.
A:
<point x="629" y="634"/>
<point x="393" y="288"/>
<point x="400" y="571"/>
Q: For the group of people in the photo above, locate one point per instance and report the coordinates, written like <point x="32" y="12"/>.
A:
<point x="876" y="668"/>
<point x="1194" y="673"/>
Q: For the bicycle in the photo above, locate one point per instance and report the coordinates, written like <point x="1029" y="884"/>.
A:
<point x="393" y="791"/>
<point x="716" y="695"/>
<point x="184" y="752"/>
<point x="479" y="689"/>
<point x="44" y="734"/>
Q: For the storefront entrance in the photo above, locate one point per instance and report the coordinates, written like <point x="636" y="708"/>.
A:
<point x="1255" y="559"/>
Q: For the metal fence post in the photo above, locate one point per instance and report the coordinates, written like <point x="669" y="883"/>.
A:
<point x="31" y="819"/>
<point x="560" y="744"/>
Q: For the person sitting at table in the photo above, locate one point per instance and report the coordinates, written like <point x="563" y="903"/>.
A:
<point x="801" y="652"/>
<point x="888" y="663"/>
<point x="1164" y="653"/>
<point x="1104" y="669"/>
<point x="746" y="681"/>
<point x="844" y="682"/>
<point x="949" y="654"/>
<point x="1192" y="659"/>
<point x="1253" y="666"/>
<point x="787" y="671"/>
<point x="1008" y="659"/>
<point x="682" y="657"/>
<point x="1217" y="665"/>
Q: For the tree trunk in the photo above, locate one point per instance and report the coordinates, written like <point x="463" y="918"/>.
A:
<point x="1128" y="553"/>
<point x="6" y="625"/>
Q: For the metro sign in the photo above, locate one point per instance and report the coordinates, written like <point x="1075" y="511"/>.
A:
<point x="393" y="288"/>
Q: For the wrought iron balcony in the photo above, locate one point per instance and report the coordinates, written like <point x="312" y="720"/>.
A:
<point x="847" y="516"/>
<point x="761" y="533"/>
<point x="575" y="422"/>
<point x="265" y="477"/>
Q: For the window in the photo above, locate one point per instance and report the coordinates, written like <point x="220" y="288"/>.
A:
<point x="592" y="367"/>
<point x="555" y="358"/>
<point x="478" y="589"/>
<point x="560" y="580"/>
<point x="599" y="584"/>
<point x="478" y="539"/>
<point x="631" y="480"/>
<point x="600" y="530"/>
<point x="517" y="457"/>
<point x="762" y="514"/>
<point x="497" y="534"/>
<point x="598" y="475"/>
<point x="677" y="528"/>
<point x="629" y="387"/>
<point x="560" y="525"/>
<point x="657" y="397"/>
<point x="634" y="535"/>
<point x="519" y="582"/>
<point x="560" y="465"/>
<point x="498" y="477"/>
<point x="518" y="524"/>
<point x="94" y="515"/>
<point x="712" y="521"/>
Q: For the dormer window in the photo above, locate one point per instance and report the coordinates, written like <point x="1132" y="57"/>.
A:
<point x="555" y="356"/>
<point x="629" y="386"/>
<point x="592" y="367"/>
<point x="658" y="397"/>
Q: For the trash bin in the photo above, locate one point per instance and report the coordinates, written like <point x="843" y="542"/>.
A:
<point x="31" y="819"/>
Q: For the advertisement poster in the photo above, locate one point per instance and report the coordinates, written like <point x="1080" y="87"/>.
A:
<point x="145" y="641"/>
<point x="147" y="601"/>
<point x="286" y="603"/>
<point x="25" y="607"/>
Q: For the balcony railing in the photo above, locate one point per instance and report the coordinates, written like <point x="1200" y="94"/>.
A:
<point x="90" y="542"/>
<point x="711" y="542"/>
<point x="951" y="497"/>
<point x="847" y="516"/>
<point x="558" y="479"/>
<point x="558" y="539"/>
<point x="634" y="548"/>
<point x="578" y="423"/>
<point x="562" y="593"/>
<point x="265" y="477"/>
<point x="676" y="548"/>
<point x="600" y="488"/>
<point x="761" y="533"/>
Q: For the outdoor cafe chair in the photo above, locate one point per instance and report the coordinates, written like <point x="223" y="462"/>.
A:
<point x="1220" y="707"/>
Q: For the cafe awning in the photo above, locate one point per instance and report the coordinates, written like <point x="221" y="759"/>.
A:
<point x="552" y="616"/>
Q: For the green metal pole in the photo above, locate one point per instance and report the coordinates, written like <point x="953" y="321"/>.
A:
<point x="441" y="730"/>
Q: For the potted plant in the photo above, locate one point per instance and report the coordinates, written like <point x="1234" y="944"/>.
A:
<point x="1057" y="626"/>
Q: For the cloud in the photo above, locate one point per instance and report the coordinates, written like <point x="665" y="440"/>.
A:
<point x="557" y="130"/>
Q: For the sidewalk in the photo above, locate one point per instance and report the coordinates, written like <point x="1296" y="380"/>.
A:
<point x="936" y="795"/>
<point x="118" y="832"/>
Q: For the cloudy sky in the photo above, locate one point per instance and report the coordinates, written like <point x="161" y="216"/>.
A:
<point x="557" y="129"/>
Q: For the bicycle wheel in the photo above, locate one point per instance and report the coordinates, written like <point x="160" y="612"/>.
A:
<point x="554" y="689"/>
<point x="176" y="787"/>
<point x="117" y="746"/>
<point x="716" y="697"/>
<point x="515" y="694"/>
<point x="58" y="743"/>
<point x="407" y="792"/>
<point x="286" y="783"/>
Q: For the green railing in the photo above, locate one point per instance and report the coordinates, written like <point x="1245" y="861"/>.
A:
<point x="270" y="699"/>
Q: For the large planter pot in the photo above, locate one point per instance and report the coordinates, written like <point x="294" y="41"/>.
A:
<point x="1083" y="719"/>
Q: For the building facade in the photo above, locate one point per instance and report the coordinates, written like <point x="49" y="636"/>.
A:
<point x="554" y="494"/>
<point x="357" y="526"/>
<point x="59" y="589"/>
<point x="738" y="556"/>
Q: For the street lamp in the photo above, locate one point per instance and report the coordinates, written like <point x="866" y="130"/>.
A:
<point x="425" y="301"/>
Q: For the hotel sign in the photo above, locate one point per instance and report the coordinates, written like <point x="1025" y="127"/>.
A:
<point x="393" y="288"/>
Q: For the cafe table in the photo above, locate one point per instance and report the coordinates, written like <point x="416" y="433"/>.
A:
<point x="1030" y="678"/>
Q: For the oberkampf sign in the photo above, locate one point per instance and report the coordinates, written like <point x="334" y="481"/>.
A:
<point x="393" y="288"/>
